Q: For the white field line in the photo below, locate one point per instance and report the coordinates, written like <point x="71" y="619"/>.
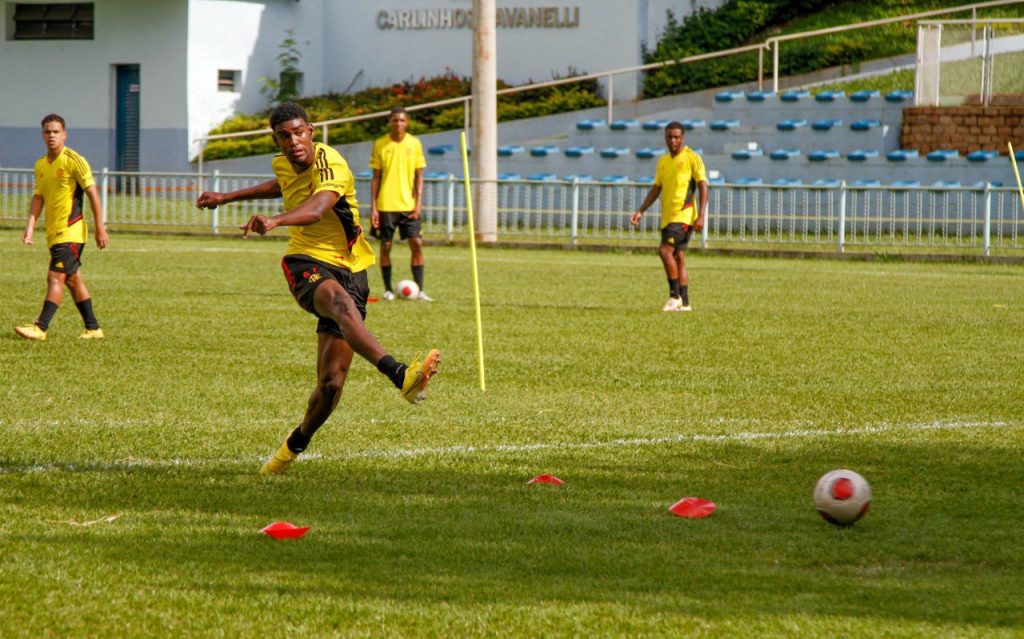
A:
<point x="402" y="453"/>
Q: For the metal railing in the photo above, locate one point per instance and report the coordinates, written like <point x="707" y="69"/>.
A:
<point x="773" y="44"/>
<point x="976" y="220"/>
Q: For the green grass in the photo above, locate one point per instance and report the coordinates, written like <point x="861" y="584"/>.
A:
<point x="422" y="523"/>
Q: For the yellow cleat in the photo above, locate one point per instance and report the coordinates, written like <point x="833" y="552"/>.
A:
<point x="279" y="461"/>
<point x="30" y="331"/>
<point x="92" y="333"/>
<point x="417" y="376"/>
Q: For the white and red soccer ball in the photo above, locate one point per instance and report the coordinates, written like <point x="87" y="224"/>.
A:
<point x="408" y="290"/>
<point x="842" y="497"/>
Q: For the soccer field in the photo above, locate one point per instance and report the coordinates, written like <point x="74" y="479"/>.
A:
<point x="422" y="523"/>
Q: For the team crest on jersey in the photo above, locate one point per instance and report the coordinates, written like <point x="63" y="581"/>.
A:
<point x="60" y="174"/>
<point x="313" y="275"/>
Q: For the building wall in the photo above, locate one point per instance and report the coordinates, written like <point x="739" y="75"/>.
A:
<point x="965" y="128"/>
<point x="77" y="80"/>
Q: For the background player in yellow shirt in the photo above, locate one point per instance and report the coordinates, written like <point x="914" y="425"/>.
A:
<point x="680" y="175"/>
<point x="396" y="189"/>
<point x="63" y="177"/>
<point x="325" y="267"/>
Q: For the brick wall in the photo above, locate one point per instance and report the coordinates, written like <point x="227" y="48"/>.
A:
<point x="964" y="128"/>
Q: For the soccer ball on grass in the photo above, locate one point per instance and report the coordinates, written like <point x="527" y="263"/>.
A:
<point x="842" y="497"/>
<point x="408" y="290"/>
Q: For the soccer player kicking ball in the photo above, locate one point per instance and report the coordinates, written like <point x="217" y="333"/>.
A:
<point x="63" y="177"/>
<point x="325" y="266"/>
<point x="679" y="175"/>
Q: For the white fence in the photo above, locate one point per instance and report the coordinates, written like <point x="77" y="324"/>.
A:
<point x="979" y="220"/>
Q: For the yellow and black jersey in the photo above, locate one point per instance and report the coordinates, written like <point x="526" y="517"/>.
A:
<point x="337" y="238"/>
<point x="397" y="163"/>
<point x="62" y="184"/>
<point x="678" y="177"/>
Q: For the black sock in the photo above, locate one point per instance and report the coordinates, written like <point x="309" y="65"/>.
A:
<point x="297" y="442"/>
<point x="49" y="308"/>
<point x="385" y="272"/>
<point x="85" y="308"/>
<point x="673" y="288"/>
<point x="417" y="274"/>
<point x="394" y="369"/>
<point x="683" y="290"/>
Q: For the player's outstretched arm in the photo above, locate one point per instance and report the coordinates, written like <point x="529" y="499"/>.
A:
<point x="309" y="212"/>
<point x="33" y="215"/>
<point x="652" y="195"/>
<point x="263" y="191"/>
<point x="93" y="194"/>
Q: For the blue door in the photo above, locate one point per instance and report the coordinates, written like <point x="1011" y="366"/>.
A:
<point x="127" y="134"/>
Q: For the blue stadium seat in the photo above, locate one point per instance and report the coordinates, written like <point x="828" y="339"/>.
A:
<point x="614" y="151"/>
<point x="906" y="183"/>
<point x="613" y="179"/>
<point x="654" y="125"/>
<point x="829" y="182"/>
<point x="759" y="96"/>
<point x="544" y="150"/>
<point x="589" y="125"/>
<point x="364" y="174"/>
<point x="866" y="183"/>
<point x="791" y="125"/>
<point x="542" y="177"/>
<point x="509" y="176"/>
<point x="901" y="155"/>
<point x="981" y="185"/>
<point x="899" y="96"/>
<point x="788" y="182"/>
<point x="690" y="125"/>
<point x="829" y="96"/>
<point x="715" y="177"/>
<point x="435" y="175"/>
<point x="746" y="154"/>
<point x="749" y="181"/>
<point x="622" y="125"/>
<point x="865" y="125"/>
<point x="440" y="149"/>
<point x="784" y="154"/>
<point x="510" y="149"/>
<point x="579" y="177"/>
<point x="1019" y="155"/>
<point x="724" y="125"/>
<point x="645" y="179"/>
<point x="795" y="95"/>
<point x="728" y="96"/>
<point x="946" y="184"/>
<point x="826" y="125"/>
<point x="650" y="152"/>
<point x="861" y="154"/>
<point x="863" y="96"/>
<point x="823" y="154"/>
<point x="941" y="155"/>
<point x="578" y="151"/>
<point x="981" y="156"/>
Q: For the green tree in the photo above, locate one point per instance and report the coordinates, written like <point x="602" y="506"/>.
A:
<point x="285" y="87"/>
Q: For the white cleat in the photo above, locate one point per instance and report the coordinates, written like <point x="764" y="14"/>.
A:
<point x="389" y="296"/>
<point x="423" y="297"/>
<point x="673" y="304"/>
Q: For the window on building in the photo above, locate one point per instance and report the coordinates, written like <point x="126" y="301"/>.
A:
<point x="51" y="21"/>
<point x="229" y="80"/>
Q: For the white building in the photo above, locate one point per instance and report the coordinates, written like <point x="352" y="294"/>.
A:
<point x="138" y="80"/>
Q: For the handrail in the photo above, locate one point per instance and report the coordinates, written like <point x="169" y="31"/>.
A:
<point x="771" y="43"/>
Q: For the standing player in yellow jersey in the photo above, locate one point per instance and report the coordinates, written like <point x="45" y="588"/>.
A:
<point x="63" y="177"/>
<point x="325" y="267"/>
<point x="679" y="176"/>
<point x="396" y="196"/>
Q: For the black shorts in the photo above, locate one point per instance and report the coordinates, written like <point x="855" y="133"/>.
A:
<point x="66" y="258"/>
<point x="677" y="235"/>
<point x="305" y="274"/>
<point x="407" y="227"/>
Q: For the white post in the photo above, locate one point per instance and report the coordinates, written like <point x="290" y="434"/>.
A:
<point x="842" y="216"/>
<point x="611" y="98"/>
<point x="199" y="178"/>
<point x="760" y="69"/>
<point x="775" y="66"/>
<point x="215" y="218"/>
<point x="986" y="241"/>
<point x="575" y="220"/>
<point x="324" y="134"/>
<point x="105" y="192"/>
<point x="450" y="197"/>
<point x="485" y="120"/>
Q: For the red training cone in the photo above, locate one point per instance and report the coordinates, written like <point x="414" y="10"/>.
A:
<point x="284" y="530"/>
<point x="692" y="508"/>
<point x="546" y="479"/>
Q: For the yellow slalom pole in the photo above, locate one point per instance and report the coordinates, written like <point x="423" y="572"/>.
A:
<point x="1016" y="174"/>
<point x="472" y="257"/>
